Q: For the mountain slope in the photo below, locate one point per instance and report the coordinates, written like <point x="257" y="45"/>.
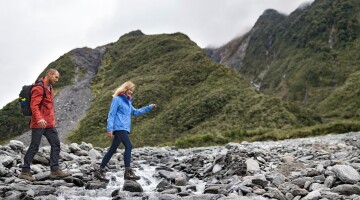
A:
<point x="303" y="57"/>
<point x="195" y="95"/>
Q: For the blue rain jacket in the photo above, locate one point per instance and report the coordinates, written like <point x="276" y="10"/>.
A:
<point x="119" y="117"/>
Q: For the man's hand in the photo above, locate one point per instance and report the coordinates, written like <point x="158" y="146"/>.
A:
<point x="110" y="134"/>
<point x="42" y="123"/>
<point x="154" y="105"/>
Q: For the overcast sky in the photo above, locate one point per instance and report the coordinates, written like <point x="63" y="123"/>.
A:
<point x="36" y="32"/>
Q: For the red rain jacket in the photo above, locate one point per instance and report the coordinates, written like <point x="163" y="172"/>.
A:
<point x="46" y="110"/>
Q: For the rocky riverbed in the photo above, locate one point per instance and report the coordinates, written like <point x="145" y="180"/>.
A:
<point x="325" y="167"/>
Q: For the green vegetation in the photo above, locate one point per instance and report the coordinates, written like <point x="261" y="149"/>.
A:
<point x="344" y="102"/>
<point x="66" y="68"/>
<point x="12" y="122"/>
<point x="195" y="95"/>
<point x="307" y="57"/>
<point x="265" y="134"/>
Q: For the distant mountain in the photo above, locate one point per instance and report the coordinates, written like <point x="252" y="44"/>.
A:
<point x="308" y="57"/>
<point x="201" y="102"/>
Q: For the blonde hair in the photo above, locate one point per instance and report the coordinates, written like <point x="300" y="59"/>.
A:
<point x="128" y="85"/>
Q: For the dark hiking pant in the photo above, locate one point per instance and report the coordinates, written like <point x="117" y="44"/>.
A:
<point x="51" y="135"/>
<point x="118" y="138"/>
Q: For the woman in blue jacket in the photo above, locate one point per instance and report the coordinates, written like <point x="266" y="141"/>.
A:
<point x="118" y="128"/>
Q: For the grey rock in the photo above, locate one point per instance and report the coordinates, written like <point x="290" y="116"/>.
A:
<point x="86" y="146"/>
<point x="289" y="196"/>
<point x="300" y="192"/>
<point x="48" y="197"/>
<point x="329" y="181"/>
<point x="10" y="180"/>
<point x="38" y="189"/>
<point x="278" y="179"/>
<point x="208" y="168"/>
<point x="301" y="181"/>
<point x="213" y="189"/>
<point x="81" y="153"/>
<point x="132" y="186"/>
<point x="6" y="160"/>
<point x="316" y="186"/>
<point x="74" y="180"/>
<point x="40" y="160"/>
<point x="277" y="193"/>
<point x="3" y="170"/>
<point x="12" y="195"/>
<point x="346" y="189"/>
<point x="217" y="168"/>
<point x="68" y="157"/>
<point x="314" y="195"/>
<point x="260" y="182"/>
<point x="74" y="147"/>
<point x="308" y="184"/>
<point x="319" y="178"/>
<point x="245" y="189"/>
<point x="170" y="191"/>
<point x="95" y="185"/>
<point x="180" y="179"/>
<point x="259" y="191"/>
<point x="166" y="174"/>
<point x="162" y="185"/>
<point x="252" y="165"/>
<point x="203" y="197"/>
<point x="330" y="195"/>
<point x="16" y="145"/>
<point x="305" y="158"/>
<point x="288" y="187"/>
<point x="94" y="154"/>
<point x="36" y="168"/>
<point x="346" y="174"/>
<point x="42" y="176"/>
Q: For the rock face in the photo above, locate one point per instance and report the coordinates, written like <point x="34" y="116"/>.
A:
<point x="72" y="101"/>
<point x="313" y="168"/>
<point x="233" y="53"/>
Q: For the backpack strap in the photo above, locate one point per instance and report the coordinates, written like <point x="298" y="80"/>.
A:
<point x="40" y="83"/>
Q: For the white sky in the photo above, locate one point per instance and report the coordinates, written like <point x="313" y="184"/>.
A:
<point x="33" y="33"/>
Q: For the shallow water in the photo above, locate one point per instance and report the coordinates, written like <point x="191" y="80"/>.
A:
<point x="148" y="182"/>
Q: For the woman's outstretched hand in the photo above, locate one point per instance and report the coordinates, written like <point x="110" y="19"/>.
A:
<point x="154" y="105"/>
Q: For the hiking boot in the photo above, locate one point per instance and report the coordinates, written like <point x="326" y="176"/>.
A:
<point x="26" y="175"/>
<point x="130" y="175"/>
<point x="58" y="174"/>
<point x="100" y="174"/>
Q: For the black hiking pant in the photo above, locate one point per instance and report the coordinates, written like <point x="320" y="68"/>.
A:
<point x="51" y="135"/>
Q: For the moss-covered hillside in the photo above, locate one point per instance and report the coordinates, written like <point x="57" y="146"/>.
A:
<point x="310" y="57"/>
<point x="198" y="98"/>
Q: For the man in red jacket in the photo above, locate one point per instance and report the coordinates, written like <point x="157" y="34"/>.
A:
<point x="43" y="123"/>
